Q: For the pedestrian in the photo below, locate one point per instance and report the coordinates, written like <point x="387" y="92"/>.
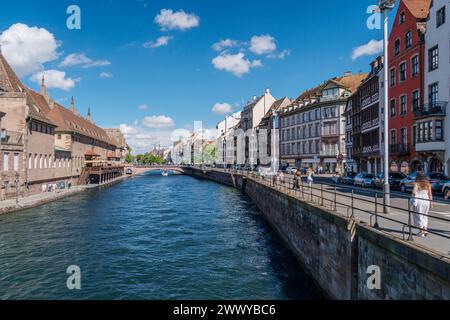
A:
<point x="44" y="188"/>
<point x="447" y="196"/>
<point x="309" y="178"/>
<point x="422" y="202"/>
<point x="297" y="180"/>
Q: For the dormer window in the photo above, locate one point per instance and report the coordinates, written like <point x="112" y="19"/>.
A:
<point x="402" y="17"/>
<point x="397" y="47"/>
<point x="408" y="39"/>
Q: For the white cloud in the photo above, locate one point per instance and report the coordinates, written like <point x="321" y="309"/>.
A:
<point x="222" y="108"/>
<point x="167" y="19"/>
<point x="263" y="44"/>
<point x="224" y="44"/>
<point x="371" y="48"/>
<point x="235" y="63"/>
<point x="180" y="134"/>
<point x="281" y="55"/>
<point x="128" y="130"/>
<point x="143" y="106"/>
<point x="28" y="48"/>
<point x="55" y="79"/>
<point x="105" y="75"/>
<point x="160" y="42"/>
<point x="158" y="122"/>
<point x="75" y="59"/>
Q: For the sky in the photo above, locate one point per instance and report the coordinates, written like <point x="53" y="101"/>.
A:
<point x="153" y="67"/>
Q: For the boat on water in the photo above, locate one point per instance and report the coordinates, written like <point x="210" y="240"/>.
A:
<point x="165" y="173"/>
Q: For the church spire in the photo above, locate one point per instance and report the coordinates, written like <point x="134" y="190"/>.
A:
<point x="72" y="105"/>
<point x="43" y="88"/>
<point x="89" y="115"/>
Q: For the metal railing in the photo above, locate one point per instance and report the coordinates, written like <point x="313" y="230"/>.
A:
<point x="327" y="195"/>
<point x="437" y="108"/>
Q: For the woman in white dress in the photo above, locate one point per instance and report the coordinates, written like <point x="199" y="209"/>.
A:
<point x="422" y="202"/>
<point x="309" y="178"/>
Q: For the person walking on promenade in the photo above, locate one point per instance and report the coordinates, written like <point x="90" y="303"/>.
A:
<point x="447" y="196"/>
<point x="309" y="178"/>
<point x="422" y="202"/>
<point x="297" y="180"/>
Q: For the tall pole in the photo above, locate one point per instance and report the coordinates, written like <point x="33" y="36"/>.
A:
<point x="386" y="198"/>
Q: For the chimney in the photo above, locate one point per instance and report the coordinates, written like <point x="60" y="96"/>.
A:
<point x="89" y="115"/>
<point x="347" y="74"/>
<point x="268" y="91"/>
<point x="72" y="105"/>
<point x="254" y="98"/>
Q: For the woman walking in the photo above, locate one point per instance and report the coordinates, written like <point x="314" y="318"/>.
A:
<point x="297" y="180"/>
<point x="309" y="178"/>
<point x="422" y="202"/>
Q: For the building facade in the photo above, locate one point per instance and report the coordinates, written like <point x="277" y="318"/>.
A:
<point x="42" y="141"/>
<point x="406" y="83"/>
<point x="432" y="121"/>
<point x="312" y="128"/>
<point x="363" y="116"/>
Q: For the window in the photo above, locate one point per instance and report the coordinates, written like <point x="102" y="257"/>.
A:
<point x="433" y="93"/>
<point x="393" y="107"/>
<point x="402" y="72"/>
<point x="415" y="66"/>
<point x="415" y="100"/>
<point x="392" y="79"/>
<point x="30" y="161"/>
<point x="6" y="162"/>
<point x="433" y="58"/>
<point x="413" y="135"/>
<point x="403" y="108"/>
<point x="35" y="161"/>
<point x="41" y="159"/>
<point x="59" y="137"/>
<point x="440" y="17"/>
<point x="439" y="132"/>
<point x="393" y="137"/>
<point x="408" y="39"/>
<point x="404" y="136"/>
<point x="397" y="47"/>
<point x="16" y="162"/>
<point x="402" y="18"/>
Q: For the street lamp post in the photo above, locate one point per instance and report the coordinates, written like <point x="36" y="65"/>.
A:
<point x="385" y="6"/>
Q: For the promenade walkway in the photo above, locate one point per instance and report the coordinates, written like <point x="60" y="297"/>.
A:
<point x="362" y="206"/>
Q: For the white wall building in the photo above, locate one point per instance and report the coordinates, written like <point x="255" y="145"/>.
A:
<point x="434" y="145"/>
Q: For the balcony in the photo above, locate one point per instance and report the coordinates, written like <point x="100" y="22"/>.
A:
<point x="11" y="138"/>
<point x="400" y="149"/>
<point x="436" y="109"/>
<point x="330" y="132"/>
<point x="370" y="124"/>
<point x="329" y="153"/>
<point x="430" y="145"/>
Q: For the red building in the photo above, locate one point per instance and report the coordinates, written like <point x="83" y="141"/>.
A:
<point x="406" y="82"/>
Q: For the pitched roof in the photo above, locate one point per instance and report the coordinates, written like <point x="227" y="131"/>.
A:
<point x="67" y="121"/>
<point x="352" y="82"/>
<point x="275" y="106"/>
<point x="9" y="81"/>
<point x="418" y="8"/>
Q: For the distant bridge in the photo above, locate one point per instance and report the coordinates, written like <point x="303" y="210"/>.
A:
<point x="143" y="169"/>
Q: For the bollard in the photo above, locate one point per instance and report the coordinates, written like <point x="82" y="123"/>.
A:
<point x="376" y="212"/>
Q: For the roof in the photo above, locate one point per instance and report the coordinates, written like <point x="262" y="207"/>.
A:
<point x="418" y="8"/>
<point x="352" y="82"/>
<point x="91" y="153"/>
<point x="275" y="106"/>
<point x="67" y="121"/>
<point x="9" y="82"/>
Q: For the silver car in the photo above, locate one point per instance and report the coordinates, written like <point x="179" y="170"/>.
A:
<point x="365" y="180"/>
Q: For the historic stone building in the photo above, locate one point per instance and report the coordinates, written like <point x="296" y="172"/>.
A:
<point x="406" y="83"/>
<point x="42" y="141"/>
<point x="312" y="132"/>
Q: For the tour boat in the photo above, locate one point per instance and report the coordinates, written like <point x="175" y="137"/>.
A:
<point x="165" y="173"/>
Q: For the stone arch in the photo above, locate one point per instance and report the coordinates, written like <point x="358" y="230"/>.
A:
<point x="393" y="166"/>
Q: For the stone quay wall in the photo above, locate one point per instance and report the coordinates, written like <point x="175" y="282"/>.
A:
<point x="339" y="253"/>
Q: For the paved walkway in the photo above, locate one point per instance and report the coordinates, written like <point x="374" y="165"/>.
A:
<point x="395" y="223"/>
<point x="9" y="205"/>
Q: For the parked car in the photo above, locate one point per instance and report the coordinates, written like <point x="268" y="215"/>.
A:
<point x="437" y="181"/>
<point x="446" y="188"/>
<point x="291" y="170"/>
<point x="395" y="179"/>
<point x="364" y="180"/>
<point x="129" y="171"/>
<point x="348" y="178"/>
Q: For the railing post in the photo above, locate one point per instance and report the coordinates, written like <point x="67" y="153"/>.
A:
<point x="410" y="237"/>
<point x="335" y="199"/>
<point x="353" y="208"/>
<point x="321" y="194"/>
<point x="302" y="188"/>
<point x="376" y="211"/>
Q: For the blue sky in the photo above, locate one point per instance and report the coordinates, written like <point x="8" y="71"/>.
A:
<point x="177" y="81"/>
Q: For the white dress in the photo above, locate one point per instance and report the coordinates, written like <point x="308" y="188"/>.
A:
<point x="421" y="209"/>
